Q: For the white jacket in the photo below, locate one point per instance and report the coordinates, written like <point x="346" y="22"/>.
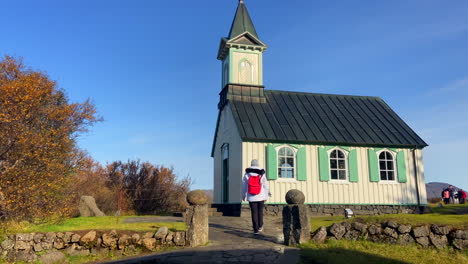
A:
<point x="264" y="192"/>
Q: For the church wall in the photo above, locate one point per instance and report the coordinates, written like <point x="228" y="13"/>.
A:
<point x="362" y="192"/>
<point x="227" y="134"/>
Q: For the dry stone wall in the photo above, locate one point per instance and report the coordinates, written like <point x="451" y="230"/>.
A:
<point x="52" y="247"/>
<point x="393" y="233"/>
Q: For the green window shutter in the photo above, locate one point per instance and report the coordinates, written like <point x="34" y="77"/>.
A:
<point x="301" y="164"/>
<point x="401" y="163"/>
<point x="353" y="166"/>
<point x="373" y="166"/>
<point x="272" y="163"/>
<point x="324" y="167"/>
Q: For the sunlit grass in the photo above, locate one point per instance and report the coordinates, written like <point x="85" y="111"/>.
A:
<point x="350" y="252"/>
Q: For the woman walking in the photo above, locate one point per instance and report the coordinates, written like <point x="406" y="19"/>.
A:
<point x="255" y="189"/>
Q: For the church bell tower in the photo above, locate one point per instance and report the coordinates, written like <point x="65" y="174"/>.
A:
<point x="241" y="56"/>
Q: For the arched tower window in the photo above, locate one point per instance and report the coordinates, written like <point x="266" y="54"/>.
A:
<point x="338" y="165"/>
<point x="246" y="72"/>
<point x="286" y="162"/>
<point x="387" y="166"/>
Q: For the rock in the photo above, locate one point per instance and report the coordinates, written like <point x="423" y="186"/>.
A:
<point x="124" y="241"/>
<point x="391" y="224"/>
<point x="423" y="241"/>
<point x="110" y="240"/>
<point x="100" y="251"/>
<point x="337" y="230"/>
<point x="162" y="231"/>
<point x="76" y="250"/>
<point x="405" y="239"/>
<point x="460" y="244"/>
<point x="295" y="197"/>
<point x="352" y="235"/>
<point x="149" y="243"/>
<point x="403" y="229"/>
<point x="360" y="227"/>
<point x="67" y="237"/>
<point x="7" y="244"/>
<point x="440" y="230"/>
<point x="59" y="244"/>
<point x="38" y="247"/>
<point x="197" y="225"/>
<point x="390" y="232"/>
<point x="148" y="235"/>
<point x="60" y="235"/>
<point x="52" y="257"/>
<point x="50" y="237"/>
<point x="46" y="245"/>
<point x="169" y="237"/>
<point x="460" y="234"/>
<point x="197" y="197"/>
<point x="374" y="230"/>
<point x="25" y="256"/>
<point x="439" y="241"/>
<point x="88" y="239"/>
<point x="135" y="238"/>
<point x="347" y="225"/>
<point x="296" y="224"/>
<point x="38" y="237"/>
<point x="88" y="207"/>
<point x="75" y="238"/>
<point x="321" y="235"/>
<point x="22" y="245"/>
<point x="421" y="231"/>
<point x="179" y="238"/>
<point x="24" y="237"/>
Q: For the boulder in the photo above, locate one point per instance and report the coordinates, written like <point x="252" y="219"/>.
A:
<point x="124" y="241"/>
<point x="88" y="207"/>
<point x="352" y="235"/>
<point x="149" y="243"/>
<point x="295" y="197"/>
<point x="391" y="224"/>
<point x="169" y="237"/>
<point x="405" y="239"/>
<point x="23" y="245"/>
<point x="110" y="240"/>
<point x="423" y="241"/>
<point x="421" y="231"/>
<point x="321" y="235"/>
<point x="337" y="230"/>
<point x="162" y="232"/>
<point x="59" y="244"/>
<point x="460" y="244"/>
<point x="404" y="229"/>
<point x="360" y="227"/>
<point x="7" y="244"/>
<point x="439" y="241"/>
<point x="50" y="237"/>
<point x="24" y="237"/>
<point x="197" y="197"/>
<point x="88" y="239"/>
<point x="25" y="256"/>
<point x="374" y="229"/>
<point x="440" y="230"/>
<point x="135" y="238"/>
<point x="38" y="247"/>
<point x="460" y="234"/>
<point x="390" y="232"/>
<point x="67" y="237"/>
<point x="75" y="238"/>
<point x="179" y="238"/>
<point x="148" y="235"/>
<point x="52" y="257"/>
<point x="38" y="237"/>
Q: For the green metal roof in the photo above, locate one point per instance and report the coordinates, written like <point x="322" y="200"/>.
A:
<point x="242" y="22"/>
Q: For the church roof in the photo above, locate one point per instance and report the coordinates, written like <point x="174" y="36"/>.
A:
<point x="242" y="22"/>
<point x="310" y="118"/>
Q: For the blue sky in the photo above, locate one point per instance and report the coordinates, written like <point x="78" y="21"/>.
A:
<point x="150" y="68"/>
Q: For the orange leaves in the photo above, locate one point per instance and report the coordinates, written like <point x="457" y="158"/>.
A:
<point x="37" y="149"/>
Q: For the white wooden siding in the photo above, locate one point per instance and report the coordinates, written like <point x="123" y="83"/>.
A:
<point x="362" y="192"/>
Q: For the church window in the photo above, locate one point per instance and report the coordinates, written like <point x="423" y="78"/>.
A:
<point x="286" y="163"/>
<point x="246" y="72"/>
<point x="387" y="166"/>
<point x="338" y="165"/>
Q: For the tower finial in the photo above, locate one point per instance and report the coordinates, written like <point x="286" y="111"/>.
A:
<point x="241" y="1"/>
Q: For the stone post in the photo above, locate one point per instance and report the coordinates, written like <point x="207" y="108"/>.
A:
<point x="296" y="224"/>
<point x="196" y="218"/>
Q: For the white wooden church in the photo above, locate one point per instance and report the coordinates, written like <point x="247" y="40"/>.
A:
<point x="345" y="150"/>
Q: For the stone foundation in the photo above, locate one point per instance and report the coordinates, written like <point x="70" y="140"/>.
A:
<point x="323" y="210"/>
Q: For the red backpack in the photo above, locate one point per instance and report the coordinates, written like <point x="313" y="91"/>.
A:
<point x="254" y="184"/>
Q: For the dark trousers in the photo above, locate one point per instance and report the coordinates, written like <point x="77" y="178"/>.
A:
<point x="256" y="209"/>
<point x="446" y="200"/>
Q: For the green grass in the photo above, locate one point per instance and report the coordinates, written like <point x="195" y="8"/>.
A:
<point x="446" y="215"/>
<point x="350" y="252"/>
<point x="95" y="223"/>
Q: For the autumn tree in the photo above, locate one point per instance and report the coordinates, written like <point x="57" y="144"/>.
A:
<point x="38" y="131"/>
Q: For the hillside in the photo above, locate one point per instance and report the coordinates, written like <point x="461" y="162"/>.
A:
<point x="434" y="189"/>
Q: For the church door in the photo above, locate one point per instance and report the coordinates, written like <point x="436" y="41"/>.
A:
<point x="225" y="173"/>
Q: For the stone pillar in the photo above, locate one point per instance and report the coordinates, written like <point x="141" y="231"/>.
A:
<point x="296" y="224"/>
<point x="196" y="218"/>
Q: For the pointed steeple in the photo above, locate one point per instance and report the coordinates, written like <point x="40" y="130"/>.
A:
<point x="242" y="22"/>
